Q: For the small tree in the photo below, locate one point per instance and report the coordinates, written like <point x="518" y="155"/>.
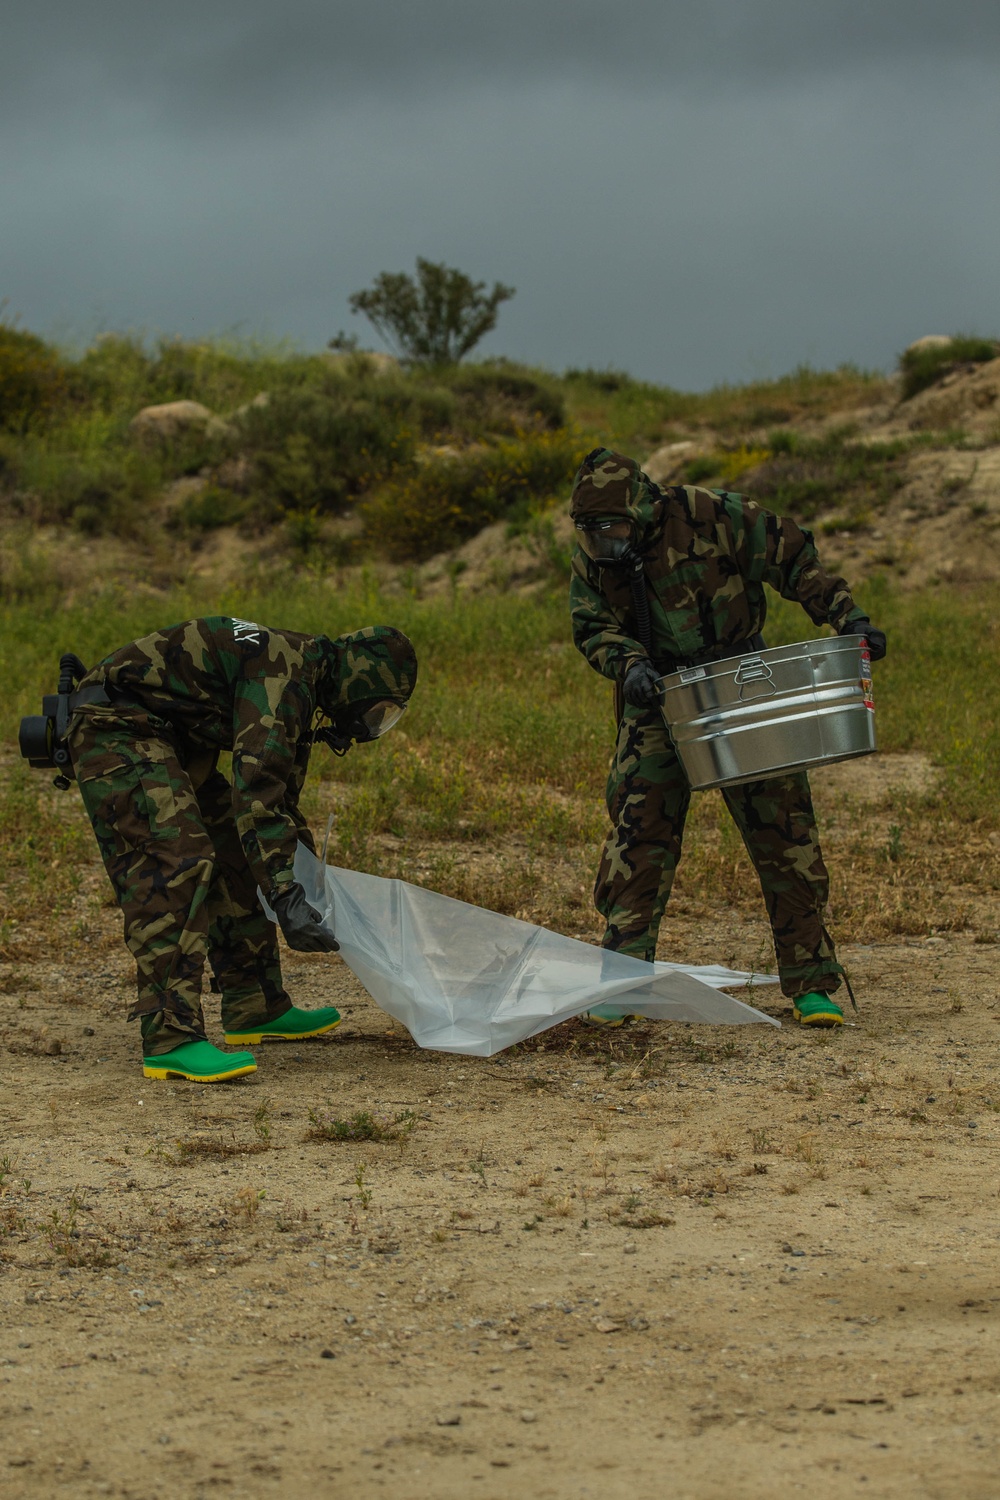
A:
<point x="435" y="318"/>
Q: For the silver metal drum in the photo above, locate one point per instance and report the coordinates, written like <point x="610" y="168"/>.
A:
<point x="748" y="717"/>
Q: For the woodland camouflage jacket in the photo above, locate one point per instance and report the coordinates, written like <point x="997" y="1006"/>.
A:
<point x="226" y="684"/>
<point x="708" y="556"/>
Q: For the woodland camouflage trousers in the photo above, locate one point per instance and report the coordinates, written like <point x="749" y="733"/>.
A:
<point x="648" y="797"/>
<point x="164" y="825"/>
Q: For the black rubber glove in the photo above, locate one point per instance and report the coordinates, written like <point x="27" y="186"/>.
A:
<point x="863" y="626"/>
<point x="300" y="922"/>
<point x="641" y="688"/>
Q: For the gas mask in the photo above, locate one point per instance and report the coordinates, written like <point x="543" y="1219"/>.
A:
<point x="359" y="723"/>
<point x="609" y="541"/>
<point x="365" y="687"/>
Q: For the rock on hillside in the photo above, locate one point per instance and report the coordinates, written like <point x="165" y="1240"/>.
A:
<point x="667" y="464"/>
<point x="169" y="420"/>
<point x="929" y="341"/>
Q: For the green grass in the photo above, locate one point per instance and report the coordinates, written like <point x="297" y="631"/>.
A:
<point x="492" y="787"/>
<point x="506" y="706"/>
<point x="636" y="416"/>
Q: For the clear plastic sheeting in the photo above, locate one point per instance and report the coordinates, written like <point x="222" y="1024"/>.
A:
<point x="462" y="979"/>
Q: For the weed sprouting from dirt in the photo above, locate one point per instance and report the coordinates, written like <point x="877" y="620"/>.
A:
<point x="77" y="1244"/>
<point x="363" y="1125"/>
<point x="190" y="1148"/>
<point x="245" y="1204"/>
<point x="364" y="1194"/>
<point x="262" y="1121"/>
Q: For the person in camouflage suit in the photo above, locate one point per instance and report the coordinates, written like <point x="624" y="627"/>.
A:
<point x="664" y="579"/>
<point x="186" y="848"/>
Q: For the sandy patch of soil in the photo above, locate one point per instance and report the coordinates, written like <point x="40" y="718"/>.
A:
<point x="868" y="779"/>
<point x="597" y="1260"/>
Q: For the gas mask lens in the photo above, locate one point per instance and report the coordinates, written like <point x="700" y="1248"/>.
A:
<point x="380" y="717"/>
<point x="605" y="541"/>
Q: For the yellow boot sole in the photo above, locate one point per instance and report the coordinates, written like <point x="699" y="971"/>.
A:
<point x="250" y="1038"/>
<point x="164" y="1070"/>
<point x="820" y="1020"/>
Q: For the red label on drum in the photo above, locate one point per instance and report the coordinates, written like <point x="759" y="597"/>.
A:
<point x="866" y="679"/>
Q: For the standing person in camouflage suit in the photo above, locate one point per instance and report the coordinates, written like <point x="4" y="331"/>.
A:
<point x="664" y="579"/>
<point x="186" y="849"/>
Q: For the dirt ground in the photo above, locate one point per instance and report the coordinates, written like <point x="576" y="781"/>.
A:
<point x="703" y="1261"/>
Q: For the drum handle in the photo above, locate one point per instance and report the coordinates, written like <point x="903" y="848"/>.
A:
<point x="753" y="669"/>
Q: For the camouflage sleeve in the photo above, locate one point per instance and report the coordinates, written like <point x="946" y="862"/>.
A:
<point x="774" y="549"/>
<point x="270" y="717"/>
<point x="598" y="634"/>
<point x="293" y="791"/>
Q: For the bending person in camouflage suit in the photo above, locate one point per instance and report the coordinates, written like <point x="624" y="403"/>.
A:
<point x="664" y="579"/>
<point x="186" y="849"/>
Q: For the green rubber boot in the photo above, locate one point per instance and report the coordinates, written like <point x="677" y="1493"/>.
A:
<point x="605" y="1015"/>
<point x="199" y="1061"/>
<point x="817" y="1009"/>
<point x="294" y="1026"/>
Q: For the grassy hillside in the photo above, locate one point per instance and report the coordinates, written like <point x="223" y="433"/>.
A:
<point x="424" y="458"/>
<point x="337" y="476"/>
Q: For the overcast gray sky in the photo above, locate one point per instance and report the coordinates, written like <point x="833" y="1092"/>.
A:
<point x="693" y="190"/>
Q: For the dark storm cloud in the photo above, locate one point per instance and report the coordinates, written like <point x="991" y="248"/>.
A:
<point x="694" y="191"/>
<point x="231" y="61"/>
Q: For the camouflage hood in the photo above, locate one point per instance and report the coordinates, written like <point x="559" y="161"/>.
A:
<point x="376" y="662"/>
<point x="610" y="484"/>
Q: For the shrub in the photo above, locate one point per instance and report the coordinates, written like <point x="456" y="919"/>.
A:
<point x="921" y="368"/>
<point x="113" y="375"/>
<point x="697" y="470"/>
<point x="32" y="380"/>
<point x="450" y="498"/>
<point x="315" y="449"/>
<point x="602" y="380"/>
<point x="96" y="491"/>
<point x="213" y="507"/>
<point x="500" y="397"/>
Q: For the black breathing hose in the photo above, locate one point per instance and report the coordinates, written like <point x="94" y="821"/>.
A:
<point x="640" y="605"/>
<point x="71" y="669"/>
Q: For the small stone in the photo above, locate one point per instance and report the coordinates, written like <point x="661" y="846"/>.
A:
<point x="529" y="1416"/>
<point x="607" y="1325"/>
<point x="449" y="1419"/>
<point x="350" y="1320"/>
<point x="327" y="1354"/>
<point x="629" y="1247"/>
<point x="88" y="1031"/>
